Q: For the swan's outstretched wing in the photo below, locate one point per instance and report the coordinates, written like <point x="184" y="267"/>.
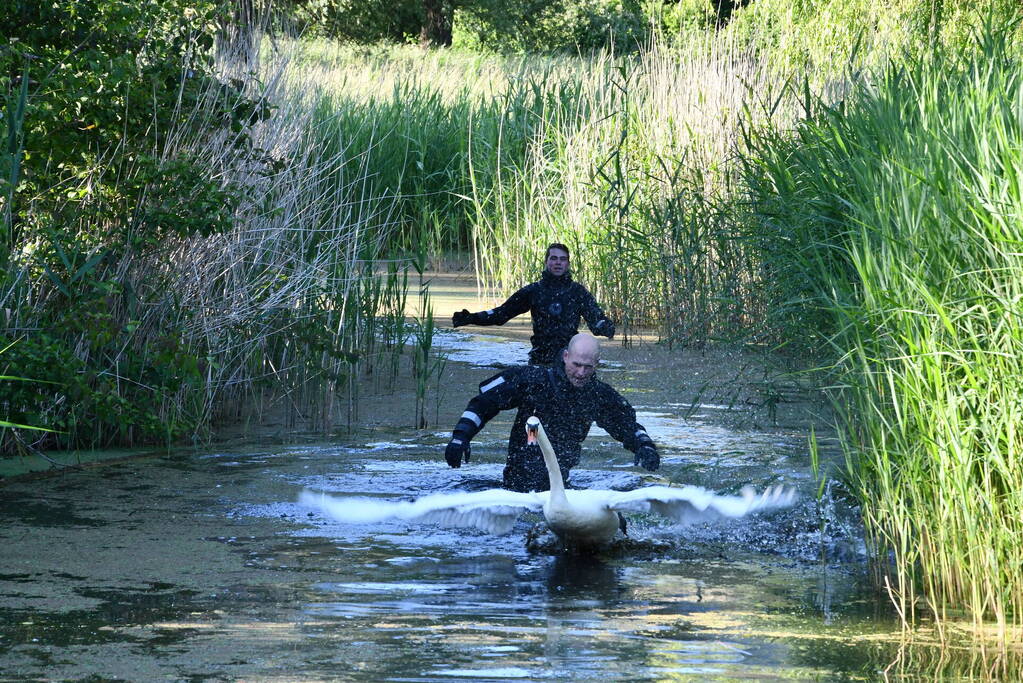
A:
<point x="493" y="511"/>
<point x="688" y="504"/>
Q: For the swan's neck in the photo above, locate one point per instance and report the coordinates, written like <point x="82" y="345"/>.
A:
<point x="557" y="493"/>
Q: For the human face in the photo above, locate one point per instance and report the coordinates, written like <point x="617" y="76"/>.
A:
<point x="557" y="262"/>
<point x="580" y="366"/>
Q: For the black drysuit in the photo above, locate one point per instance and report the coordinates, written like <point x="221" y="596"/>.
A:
<point x="566" y="412"/>
<point x="556" y="303"/>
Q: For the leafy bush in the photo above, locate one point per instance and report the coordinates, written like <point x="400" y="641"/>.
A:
<point x="95" y="185"/>
<point x="357" y="21"/>
<point x="90" y="405"/>
<point x="552" y="26"/>
<point x="678" y="19"/>
<point x="108" y="81"/>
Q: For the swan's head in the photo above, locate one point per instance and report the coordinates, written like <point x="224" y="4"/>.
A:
<point x="532" y="427"/>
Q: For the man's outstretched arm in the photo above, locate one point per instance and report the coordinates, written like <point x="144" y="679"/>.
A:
<point x="517" y="304"/>
<point x="596" y="320"/>
<point x="498" y="393"/>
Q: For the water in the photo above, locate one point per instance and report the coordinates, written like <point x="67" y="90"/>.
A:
<point x="201" y="566"/>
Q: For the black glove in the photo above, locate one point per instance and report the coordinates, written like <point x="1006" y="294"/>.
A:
<point x="646" y="455"/>
<point x="457" y="450"/>
<point x="606" y="328"/>
<point x="462" y="317"/>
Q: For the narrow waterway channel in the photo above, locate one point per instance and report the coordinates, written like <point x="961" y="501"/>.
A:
<point x="200" y="565"/>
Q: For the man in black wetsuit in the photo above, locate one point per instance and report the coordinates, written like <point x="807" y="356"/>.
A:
<point x="568" y="399"/>
<point x="555" y="302"/>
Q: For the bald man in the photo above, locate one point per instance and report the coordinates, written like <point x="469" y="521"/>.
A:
<point x="567" y="398"/>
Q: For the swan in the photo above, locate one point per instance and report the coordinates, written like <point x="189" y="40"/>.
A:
<point x="579" y="517"/>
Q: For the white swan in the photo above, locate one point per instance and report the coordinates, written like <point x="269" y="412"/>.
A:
<point x="579" y="517"/>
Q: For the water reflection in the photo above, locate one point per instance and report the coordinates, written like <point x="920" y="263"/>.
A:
<point x="584" y="617"/>
<point x="573" y="577"/>
<point x="951" y="663"/>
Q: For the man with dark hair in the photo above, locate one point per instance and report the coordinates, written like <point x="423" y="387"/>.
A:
<point x="555" y="302"/>
<point x="568" y="399"/>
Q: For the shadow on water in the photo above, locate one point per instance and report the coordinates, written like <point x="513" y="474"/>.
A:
<point x="116" y="609"/>
<point x="33" y="511"/>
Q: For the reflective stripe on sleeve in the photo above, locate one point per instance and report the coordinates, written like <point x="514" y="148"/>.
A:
<point x="490" y="385"/>
<point x="469" y="415"/>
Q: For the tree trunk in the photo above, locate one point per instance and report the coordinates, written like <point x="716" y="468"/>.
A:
<point x="237" y="31"/>
<point x="436" y="30"/>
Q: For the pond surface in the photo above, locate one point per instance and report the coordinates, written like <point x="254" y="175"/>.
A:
<point x="201" y="566"/>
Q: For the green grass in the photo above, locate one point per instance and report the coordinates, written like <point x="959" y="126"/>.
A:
<point x="896" y="220"/>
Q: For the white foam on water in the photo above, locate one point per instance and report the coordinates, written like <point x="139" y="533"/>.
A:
<point x="385" y="588"/>
<point x="503" y="672"/>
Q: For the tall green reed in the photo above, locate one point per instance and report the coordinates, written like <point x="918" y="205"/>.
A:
<point x="894" y="222"/>
<point x="829" y="36"/>
<point x="393" y="327"/>
<point x="426" y="363"/>
<point x="626" y="160"/>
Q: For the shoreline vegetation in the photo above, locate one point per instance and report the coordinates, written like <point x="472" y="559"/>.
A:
<point x="186" y="236"/>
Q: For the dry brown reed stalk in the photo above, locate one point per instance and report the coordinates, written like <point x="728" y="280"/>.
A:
<point x="291" y="259"/>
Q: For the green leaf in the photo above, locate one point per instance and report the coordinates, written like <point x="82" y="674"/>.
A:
<point x="57" y="281"/>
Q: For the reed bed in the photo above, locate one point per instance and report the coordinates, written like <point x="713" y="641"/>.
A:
<point x="626" y="160"/>
<point x="896" y="220"/>
<point x="884" y="226"/>
<point x="306" y="296"/>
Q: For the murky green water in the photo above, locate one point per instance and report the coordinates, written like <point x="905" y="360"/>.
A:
<point x="200" y="566"/>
